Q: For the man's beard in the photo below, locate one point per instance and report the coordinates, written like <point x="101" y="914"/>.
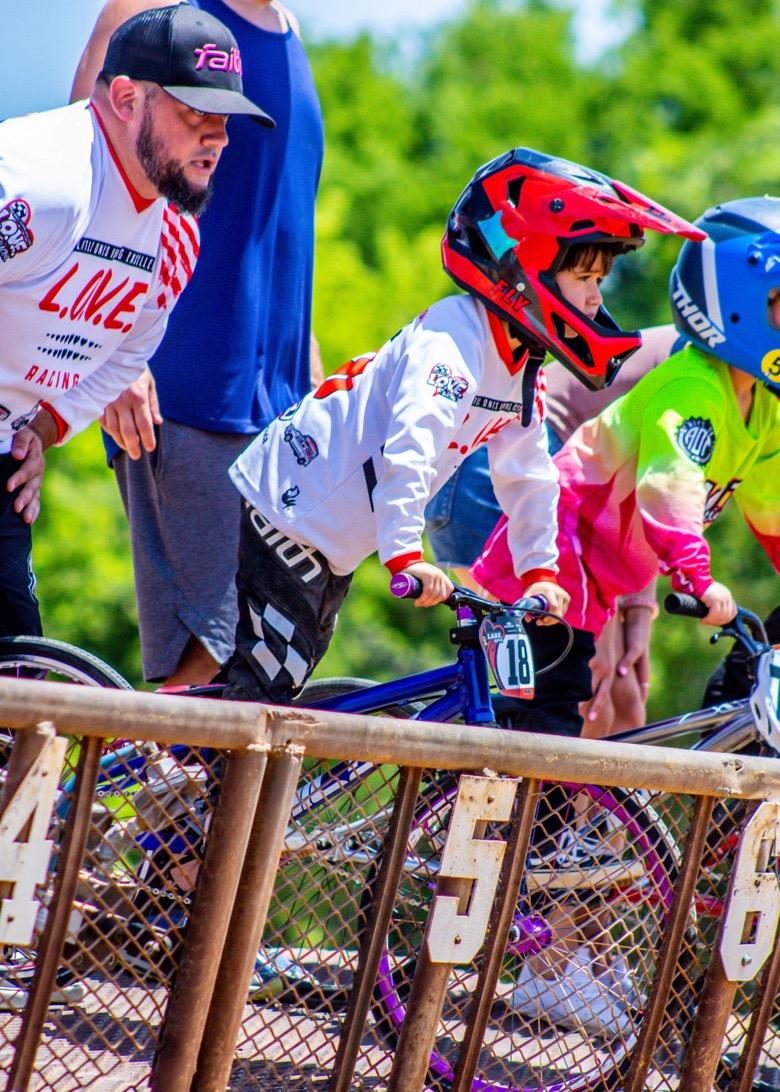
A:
<point x="166" y="175"/>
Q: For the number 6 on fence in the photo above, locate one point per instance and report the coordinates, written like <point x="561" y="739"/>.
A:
<point x="753" y="903"/>
<point x="454" y="937"/>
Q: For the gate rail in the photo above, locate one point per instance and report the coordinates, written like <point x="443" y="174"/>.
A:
<point x="265" y="749"/>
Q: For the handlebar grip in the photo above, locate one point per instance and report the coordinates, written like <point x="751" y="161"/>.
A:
<point x="688" y="605"/>
<point x="532" y="602"/>
<point x="406" y="586"/>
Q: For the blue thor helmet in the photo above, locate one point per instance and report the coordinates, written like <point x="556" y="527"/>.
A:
<point x="720" y="289"/>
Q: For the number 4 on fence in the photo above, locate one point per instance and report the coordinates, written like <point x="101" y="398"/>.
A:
<point x="25" y="850"/>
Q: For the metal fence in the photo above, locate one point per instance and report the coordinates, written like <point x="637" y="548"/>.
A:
<point x="281" y="899"/>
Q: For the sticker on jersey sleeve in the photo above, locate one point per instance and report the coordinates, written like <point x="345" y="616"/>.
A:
<point x="446" y="384"/>
<point x="717" y="498"/>
<point x="289" y="413"/>
<point x="696" y="438"/>
<point x="15" y="235"/>
<point x="303" y="447"/>
<point x="770" y="365"/>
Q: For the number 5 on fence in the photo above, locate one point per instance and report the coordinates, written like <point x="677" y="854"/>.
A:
<point x="454" y="937"/>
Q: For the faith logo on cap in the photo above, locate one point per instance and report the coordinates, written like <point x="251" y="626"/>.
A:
<point x="210" y="56"/>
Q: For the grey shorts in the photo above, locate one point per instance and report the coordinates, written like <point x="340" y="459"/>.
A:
<point x="184" y="515"/>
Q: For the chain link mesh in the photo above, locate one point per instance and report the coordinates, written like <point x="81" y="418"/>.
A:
<point x="587" y="929"/>
<point x="149" y="820"/>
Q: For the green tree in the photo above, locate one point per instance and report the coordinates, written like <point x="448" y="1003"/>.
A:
<point x="683" y="108"/>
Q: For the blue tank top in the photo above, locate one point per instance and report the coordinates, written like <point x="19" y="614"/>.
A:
<point x="236" y="351"/>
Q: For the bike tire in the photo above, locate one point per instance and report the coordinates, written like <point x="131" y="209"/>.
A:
<point x="594" y="1068"/>
<point x="321" y="690"/>
<point x="337" y="824"/>
<point x="515" y="1057"/>
<point x="45" y="657"/>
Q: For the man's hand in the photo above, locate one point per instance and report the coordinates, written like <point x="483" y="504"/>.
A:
<point x="437" y="586"/>
<point x="130" y="419"/>
<point x="28" y="447"/>
<point x="721" y="603"/>
<point x="557" y="599"/>
<point x="602" y="671"/>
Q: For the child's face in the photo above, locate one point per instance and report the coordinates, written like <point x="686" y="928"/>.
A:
<point x="581" y="287"/>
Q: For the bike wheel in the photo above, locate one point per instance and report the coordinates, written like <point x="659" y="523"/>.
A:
<point x="45" y="658"/>
<point x="337" y="824"/>
<point x="568" y="1007"/>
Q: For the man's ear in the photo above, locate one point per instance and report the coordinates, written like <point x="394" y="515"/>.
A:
<point x="125" y="96"/>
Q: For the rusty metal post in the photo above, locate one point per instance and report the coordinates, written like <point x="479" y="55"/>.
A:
<point x="59" y="910"/>
<point x="497" y="936"/>
<point x="673" y="936"/>
<point x="247" y="921"/>
<point x="204" y="940"/>
<point x="703" y="1054"/>
<point x="375" y="934"/>
<point x="423" y="1009"/>
<point x="763" y="1005"/>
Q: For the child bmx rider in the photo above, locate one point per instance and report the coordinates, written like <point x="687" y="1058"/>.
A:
<point x="640" y="484"/>
<point x="349" y="469"/>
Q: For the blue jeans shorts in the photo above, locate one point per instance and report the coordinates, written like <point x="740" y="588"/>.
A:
<point x="460" y="518"/>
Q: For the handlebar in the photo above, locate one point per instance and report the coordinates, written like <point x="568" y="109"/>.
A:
<point x="406" y="586"/>
<point x="745" y="627"/>
<point x="476" y="607"/>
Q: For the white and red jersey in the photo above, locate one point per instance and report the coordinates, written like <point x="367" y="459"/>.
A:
<point x="88" y="270"/>
<point x="351" y="467"/>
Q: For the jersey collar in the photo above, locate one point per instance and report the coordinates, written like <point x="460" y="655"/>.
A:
<point x="140" y="204"/>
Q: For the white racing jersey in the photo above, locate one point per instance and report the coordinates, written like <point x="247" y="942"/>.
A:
<point x="88" y="270"/>
<point x="351" y="467"/>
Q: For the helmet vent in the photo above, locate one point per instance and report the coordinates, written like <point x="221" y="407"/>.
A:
<point x="513" y="190"/>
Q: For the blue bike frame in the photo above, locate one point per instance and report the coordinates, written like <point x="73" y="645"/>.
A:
<point x="466" y="687"/>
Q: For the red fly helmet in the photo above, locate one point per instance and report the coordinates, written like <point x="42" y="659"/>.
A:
<point x="508" y="235"/>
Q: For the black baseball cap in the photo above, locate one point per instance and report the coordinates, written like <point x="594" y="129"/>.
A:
<point x="189" y="53"/>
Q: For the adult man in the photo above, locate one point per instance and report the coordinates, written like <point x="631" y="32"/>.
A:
<point x="236" y="353"/>
<point x="92" y="255"/>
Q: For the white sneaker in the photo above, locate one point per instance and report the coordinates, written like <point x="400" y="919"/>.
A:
<point x="14" y="997"/>
<point x="596" y="1004"/>
<point x="16" y="975"/>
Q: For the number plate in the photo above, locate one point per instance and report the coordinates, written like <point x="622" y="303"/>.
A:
<point x="508" y="651"/>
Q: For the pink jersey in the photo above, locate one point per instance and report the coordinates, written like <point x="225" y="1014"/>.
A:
<point x="641" y="482"/>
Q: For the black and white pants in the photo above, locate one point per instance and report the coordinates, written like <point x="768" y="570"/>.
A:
<point x="288" y="600"/>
